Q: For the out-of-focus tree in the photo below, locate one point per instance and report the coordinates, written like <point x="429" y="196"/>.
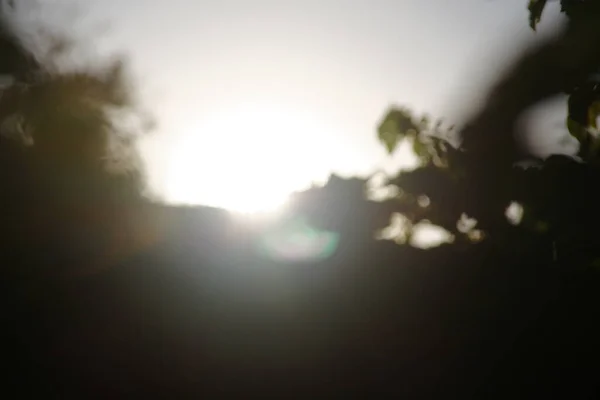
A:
<point x="67" y="138"/>
<point x="478" y="170"/>
<point x="71" y="124"/>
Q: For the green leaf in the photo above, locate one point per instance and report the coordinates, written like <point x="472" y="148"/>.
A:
<point x="389" y="135"/>
<point x="420" y="148"/>
<point x="536" y="7"/>
<point x="396" y="125"/>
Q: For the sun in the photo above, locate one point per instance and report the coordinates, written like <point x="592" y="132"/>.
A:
<point x="247" y="160"/>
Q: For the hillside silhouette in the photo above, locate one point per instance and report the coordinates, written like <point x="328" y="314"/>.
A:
<point x="108" y="293"/>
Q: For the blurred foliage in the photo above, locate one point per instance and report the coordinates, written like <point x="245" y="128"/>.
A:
<point x="66" y="127"/>
<point x="584" y="95"/>
<point x="478" y="171"/>
<point x="69" y="164"/>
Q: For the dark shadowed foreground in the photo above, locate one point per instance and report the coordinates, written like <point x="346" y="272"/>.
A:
<point x="198" y="312"/>
<point x="108" y="295"/>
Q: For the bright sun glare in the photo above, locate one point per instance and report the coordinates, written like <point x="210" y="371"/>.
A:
<point x="247" y="161"/>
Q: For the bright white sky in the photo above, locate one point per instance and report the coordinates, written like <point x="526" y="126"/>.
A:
<point x="294" y="88"/>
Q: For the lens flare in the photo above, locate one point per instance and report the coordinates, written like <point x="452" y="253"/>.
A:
<point x="297" y="241"/>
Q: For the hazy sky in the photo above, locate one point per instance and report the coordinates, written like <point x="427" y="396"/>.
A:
<point x="325" y="70"/>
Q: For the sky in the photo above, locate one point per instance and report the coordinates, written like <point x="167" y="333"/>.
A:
<point x="267" y="96"/>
